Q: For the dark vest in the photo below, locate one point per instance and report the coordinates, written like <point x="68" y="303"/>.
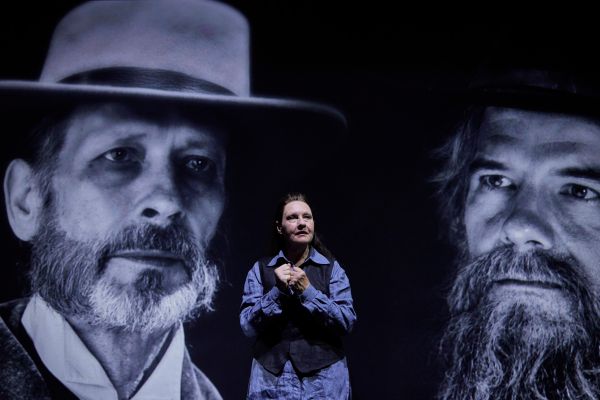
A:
<point x="296" y="335"/>
<point x="24" y="375"/>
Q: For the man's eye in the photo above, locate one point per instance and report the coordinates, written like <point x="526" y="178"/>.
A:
<point x="580" y="192"/>
<point x="495" y="181"/>
<point x="198" y="165"/>
<point x="120" y="154"/>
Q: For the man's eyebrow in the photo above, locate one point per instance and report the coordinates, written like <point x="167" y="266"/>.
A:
<point x="96" y="138"/>
<point x="485" y="163"/>
<point x="198" y="143"/>
<point x="578" y="172"/>
<point x="113" y="134"/>
<point x="130" y="137"/>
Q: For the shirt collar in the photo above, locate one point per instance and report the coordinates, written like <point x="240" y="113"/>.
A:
<point x="69" y="360"/>
<point x="313" y="255"/>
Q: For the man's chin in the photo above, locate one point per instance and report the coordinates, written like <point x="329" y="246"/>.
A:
<point x="134" y="274"/>
<point x="540" y="303"/>
<point x="147" y="308"/>
<point x="530" y="324"/>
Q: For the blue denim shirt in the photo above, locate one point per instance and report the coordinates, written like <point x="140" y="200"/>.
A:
<point x="336" y="311"/>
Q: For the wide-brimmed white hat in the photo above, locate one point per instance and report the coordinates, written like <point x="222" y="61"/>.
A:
<point x="193" y="53"/>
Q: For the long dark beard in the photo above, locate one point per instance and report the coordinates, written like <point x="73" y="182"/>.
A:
<point x="510" y="349"/>
<point x="68" y="275"/>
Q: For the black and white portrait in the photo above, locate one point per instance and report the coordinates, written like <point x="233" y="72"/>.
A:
<point x="230" y="199"/>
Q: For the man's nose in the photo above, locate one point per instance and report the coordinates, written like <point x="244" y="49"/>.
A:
<point x="526" y="227"/>
<point x="161" y="203"/>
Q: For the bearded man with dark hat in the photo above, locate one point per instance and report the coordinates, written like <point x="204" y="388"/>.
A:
<point x="120" y="193"/>
<point x="520" y="191"/>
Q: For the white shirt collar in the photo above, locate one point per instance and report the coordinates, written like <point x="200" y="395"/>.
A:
<point x="69" y="360"/>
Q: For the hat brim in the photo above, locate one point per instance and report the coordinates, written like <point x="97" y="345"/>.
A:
<point x="259" y="127"/>
<point x="528" y="98"/>
<point x="30" y="94"/>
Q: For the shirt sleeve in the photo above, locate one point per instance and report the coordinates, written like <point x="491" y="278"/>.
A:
<point x="336" y="311"/>
<point x="258" y="309"/>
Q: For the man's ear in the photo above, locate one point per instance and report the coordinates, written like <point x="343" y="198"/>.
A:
<point x="278" y="227"/>
<point x="23" y="200"/>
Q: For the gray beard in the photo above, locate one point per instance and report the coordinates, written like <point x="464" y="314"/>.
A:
<point x="504" y="349"/>
<point x="68" y="275"/>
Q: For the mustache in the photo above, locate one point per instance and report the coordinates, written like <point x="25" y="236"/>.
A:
<point x="176" y="239"/>
<point x="545" y="268"/>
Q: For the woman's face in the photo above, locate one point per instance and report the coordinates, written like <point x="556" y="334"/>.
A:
<point x="297" y="224"/>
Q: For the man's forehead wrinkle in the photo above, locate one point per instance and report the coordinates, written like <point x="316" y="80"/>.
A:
<point x="507" y="114"/>
<point x="165" y="119"/>
<point x="500" y="121"/>
<point x="537" y="135"/>
<point x="558" y="149"/>
<point x="498" y="147"/>
<point x="502" y="133"/>
<point x="91" y="129"/>
<point x="515" y="122"/>
<point x="500" y="140"/>
<point x="87" y="123"/>
<point x="194" y="136"/>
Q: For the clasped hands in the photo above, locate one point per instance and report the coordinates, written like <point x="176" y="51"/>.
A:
<point x="288" y="276"/>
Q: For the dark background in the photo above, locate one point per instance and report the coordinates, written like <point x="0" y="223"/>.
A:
<point x="389" y="70"/>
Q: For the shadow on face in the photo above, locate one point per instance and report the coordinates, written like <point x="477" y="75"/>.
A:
<point x="120" y="166"/>
<point x="535" y="185"/>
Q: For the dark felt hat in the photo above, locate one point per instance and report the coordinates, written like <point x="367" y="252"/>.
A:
<point x="545" y="78"/>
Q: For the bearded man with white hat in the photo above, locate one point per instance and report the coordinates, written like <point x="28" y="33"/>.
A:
<point x="120" y="191"/>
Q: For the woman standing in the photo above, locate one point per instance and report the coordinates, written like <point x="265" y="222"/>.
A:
<point x="297" y="304"/>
